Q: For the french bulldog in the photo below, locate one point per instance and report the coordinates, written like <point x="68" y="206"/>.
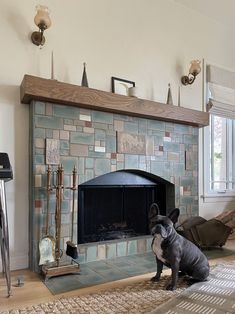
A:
<point x="175" y="251"/>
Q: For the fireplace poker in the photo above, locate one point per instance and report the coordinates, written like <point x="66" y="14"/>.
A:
<point x="59" y="188"/>
<point x="47" y="243"/>
<point x="71" y="249"/>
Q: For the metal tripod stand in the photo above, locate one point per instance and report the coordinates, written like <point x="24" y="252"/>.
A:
<point x="4" y="237"/>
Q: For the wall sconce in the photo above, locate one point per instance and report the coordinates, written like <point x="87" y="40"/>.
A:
<point x="43" y="21"/>
<point x="194" y="70"/>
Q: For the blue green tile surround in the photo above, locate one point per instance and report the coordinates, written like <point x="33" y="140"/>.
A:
<point x="93" y="134"/>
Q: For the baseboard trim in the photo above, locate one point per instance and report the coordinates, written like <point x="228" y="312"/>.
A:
<point x="17" y="262"/>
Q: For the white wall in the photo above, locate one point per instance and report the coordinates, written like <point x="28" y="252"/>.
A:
<point x="150" y="42"/>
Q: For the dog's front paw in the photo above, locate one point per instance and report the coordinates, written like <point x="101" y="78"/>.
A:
<point x="171" y="287"/>
<point x="155" y="278"/>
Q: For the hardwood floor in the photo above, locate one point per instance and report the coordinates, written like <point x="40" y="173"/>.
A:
<point x="34" y="291"/>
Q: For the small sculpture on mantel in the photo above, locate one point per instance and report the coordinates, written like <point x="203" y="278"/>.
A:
<point x="169" y="100"/>
<point x="179" y="96"/>
<point x="84" y="76"/>
<point x="52" y="66"/>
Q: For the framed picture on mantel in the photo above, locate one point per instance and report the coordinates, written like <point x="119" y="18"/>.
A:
<point x="121" y="86"/>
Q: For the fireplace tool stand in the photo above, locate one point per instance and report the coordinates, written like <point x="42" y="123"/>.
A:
<point x="58" y="268"/>
<point x="5" y="175"/>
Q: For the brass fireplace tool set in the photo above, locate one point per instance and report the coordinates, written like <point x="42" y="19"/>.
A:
<point x="49" y="246"/>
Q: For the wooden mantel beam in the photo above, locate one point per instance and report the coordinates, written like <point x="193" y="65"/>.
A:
<point x="36" y="88"/>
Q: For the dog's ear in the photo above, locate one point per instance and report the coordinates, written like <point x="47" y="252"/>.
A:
<point x="153" y="211"/>
<point x="174" y="215"/>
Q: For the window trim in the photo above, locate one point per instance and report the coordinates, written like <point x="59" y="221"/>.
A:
<point x="210" y="195"/>
<point x="222" y="81"/>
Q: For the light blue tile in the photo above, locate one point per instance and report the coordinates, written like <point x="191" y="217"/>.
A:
<point x="149" y="243"/>
<point x="180" y="128"/>
<point x="89" y="163"/>
<point x="91" y="254"/>
<point x="157" y="168"/>
<point x="179" y="169"/>
<point x="102" y="166"/>
<point x="111" y="144"/>
<point x="131" y="161"/>
<point x="39" y="107"/>
<point x="111" y="250"/>
<point x="121" y="249"/>
<point x="39" y="159"/>
<point x="100" y="135"/>
<point x="49" y="133"/>
<point x="102" y="117"/>
<point x="82" y="138"/>
<point x="39" y="133"/>
<point x="69" y="163"/>
<point x="156" y="125"/>
<point x="132" y="247"/>
<point x="39" y="151"/>
<point x="171" y="147"/>
<point x="68" y="121"/>
<point x="185" y="181"/>
<point x="142" y="126"/>
<point x="190" y="139"/>
<point x="131" y="127"/>
<point x="49" y="122"/>
<point x="81" y="165"/>
<point x="64" y="144"/>
<point x="66" y="111"/>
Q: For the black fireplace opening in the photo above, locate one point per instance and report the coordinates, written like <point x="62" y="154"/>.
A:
<point x="116" y="205"/>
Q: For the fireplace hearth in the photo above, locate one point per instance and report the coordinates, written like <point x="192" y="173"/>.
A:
<point x="115" y="205"/>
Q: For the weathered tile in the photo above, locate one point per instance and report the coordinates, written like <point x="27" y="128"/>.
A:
<point x="111" y="144"/>
<point x="89" y="163"/>
<point x="102" y="117"/>
<point x="156" y="125"/>
<point x="66" y="111"/>
<point x="48" y="122"/>
<point x="190" y="139"/>
<point x="131" y="161"/>
<point x="102" y="166"/>
<point x="81" y="138"/>
<point x="122" y="248"/>
<point x="68" y="163"/>
<point x="39" y="107"/>
<point x="39" y="133"/>
<point x="131" y="247"/>
<point x="78" y="150"/>
<point x="91" y="253"/>
<point x="111" y="249"/>
<point x="141" y="246"/>
<point x="130" y="127"/>
<point x="101" y="252"/>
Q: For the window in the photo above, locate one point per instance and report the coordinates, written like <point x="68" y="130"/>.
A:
<point x="219" y="136"/>
<point x="221" y="154"/>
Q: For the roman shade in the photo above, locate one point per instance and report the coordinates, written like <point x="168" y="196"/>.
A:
<point x="221" y="92"/>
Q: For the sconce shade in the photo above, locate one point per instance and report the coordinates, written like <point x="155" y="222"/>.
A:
<point x="42" y="17"/>
<point x="42" y="21"/>
<point x="194" y="70"/>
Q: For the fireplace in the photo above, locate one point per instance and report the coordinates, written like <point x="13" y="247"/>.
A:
<point x="102" y="133"/>
<point x="115" y="205"/>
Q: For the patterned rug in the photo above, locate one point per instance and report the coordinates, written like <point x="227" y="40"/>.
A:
<point x="215" y="296"/>
<point x="138" y="298"/>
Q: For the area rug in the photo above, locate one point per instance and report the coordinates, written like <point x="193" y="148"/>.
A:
<point x="215" y="296"/>
<point x="138" y="298"/>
